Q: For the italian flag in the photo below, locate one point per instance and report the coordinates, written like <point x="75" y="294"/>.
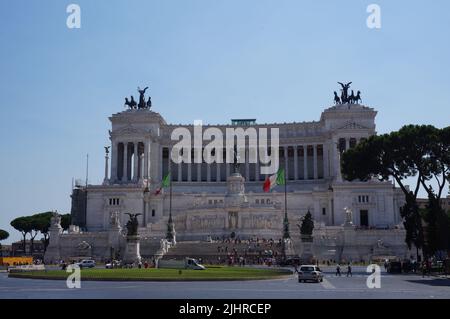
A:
<point x="274" y="180"/>
<point x="165" y="183"/>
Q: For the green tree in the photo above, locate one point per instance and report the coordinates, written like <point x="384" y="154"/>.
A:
<point x="437" y="227"/>
<point x="43" y="224"/>
<point x="34" y="231"/>
<point x="66" y="220"/>
<point x="22" y="224"/>
<point x="3" y="235"/>
<point x="420" y="151"/>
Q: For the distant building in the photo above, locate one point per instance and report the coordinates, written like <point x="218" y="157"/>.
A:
<point x="5" y="250"/>
<point x="38" y="248"/>
<point x="445" y="202"/>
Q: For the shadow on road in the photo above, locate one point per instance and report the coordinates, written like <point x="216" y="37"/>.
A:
<point x="442" y="282"/>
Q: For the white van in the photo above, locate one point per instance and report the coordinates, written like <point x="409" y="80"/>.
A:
<point x="187" y="263"/>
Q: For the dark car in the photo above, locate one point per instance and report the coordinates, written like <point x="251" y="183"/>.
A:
<point x="394" y="267"/>
<point x="293" y="261"/>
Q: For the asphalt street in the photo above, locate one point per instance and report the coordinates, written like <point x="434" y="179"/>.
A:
<point x="392" y="287"/>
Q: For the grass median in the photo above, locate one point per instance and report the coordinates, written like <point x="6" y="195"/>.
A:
<point x="210" y="274"/>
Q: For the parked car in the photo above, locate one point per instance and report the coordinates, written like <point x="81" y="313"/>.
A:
<point x="291" y="261"/>
<point x="86" y="263"/>
<point x="310" y="272"/>
<point x="114" y="264"/>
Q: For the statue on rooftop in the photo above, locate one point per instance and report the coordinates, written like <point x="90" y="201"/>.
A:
<point x="142" y="104"/>
<point x="345" y="88"/>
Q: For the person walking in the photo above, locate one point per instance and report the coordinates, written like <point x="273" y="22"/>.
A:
<point x="349" y="270"/>
<point x="338" y="270"/>
<point x="424" y="268"/>
<point x="295" y="268"/>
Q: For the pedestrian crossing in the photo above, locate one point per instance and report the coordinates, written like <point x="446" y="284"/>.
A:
<point x="345" y="276"/>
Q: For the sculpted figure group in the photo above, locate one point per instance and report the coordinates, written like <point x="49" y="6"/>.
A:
<point x="345" y="98"/>
<point x="132" y="105"/>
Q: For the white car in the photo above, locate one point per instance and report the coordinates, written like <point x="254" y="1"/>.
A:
<point x="309" y="272"/>
<point x="86" y="263"/>
<point x="114" y="264"/>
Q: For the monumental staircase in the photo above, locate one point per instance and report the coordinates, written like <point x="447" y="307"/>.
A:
<point x="225" y="252"/>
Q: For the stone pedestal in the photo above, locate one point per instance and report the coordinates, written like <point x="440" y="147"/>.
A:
<point x="307" y="255"/>
<point x="235" y="196"/>
<point x="288" y="248"/>
<point x="350" y="244"/>
<point x="132" y="250"/>
<point x="52" y="253"/>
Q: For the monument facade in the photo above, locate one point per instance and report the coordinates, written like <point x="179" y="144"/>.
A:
<point x="216" y="200"/>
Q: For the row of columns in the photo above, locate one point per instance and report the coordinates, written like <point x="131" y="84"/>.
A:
<point x="196" y="168"/>
<point x="148" y="162"/>
<point x="305" y="160"/>
<point x="128" y="153"/>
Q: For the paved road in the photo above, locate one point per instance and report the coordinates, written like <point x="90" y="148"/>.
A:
<point x="392" y="286"/>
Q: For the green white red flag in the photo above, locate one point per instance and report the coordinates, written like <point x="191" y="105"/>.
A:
<point x="165" y="183"/>
<point x="274" y="180"/>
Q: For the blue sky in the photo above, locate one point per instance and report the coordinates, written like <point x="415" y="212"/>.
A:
<point x="213" y="60"/>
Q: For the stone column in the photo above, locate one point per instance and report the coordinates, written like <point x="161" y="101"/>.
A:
<point x="189" y="171"/>
<point x="199" y="172"/>
<point x="218" y="168"/>
<point x="114" y="157"/>
<point x="136" y="162"/>
<point x="227" y="168"/>
<point x="326" y="168"/>
<point x="305" y="161"/>
<point x="347" y="144"/>
<point x="315" y="161"/>
<point x="208" y="170"/>
<point x="335" y="162"/>
<point x="125" y="162"/>
<point x="155" y="160"/>
<point x="295" y="163"/>
<point x="142" y="172"/>
<point x="146" y="158"/>
<point x="247" y="164"/>
<point x="105" y="180"/>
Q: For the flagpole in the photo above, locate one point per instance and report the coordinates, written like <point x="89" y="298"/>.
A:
<point x="285" y="194"/>
<point x="286" y="221"/>
<point x="170" y="228"/>
<point x="170" y="194"/>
